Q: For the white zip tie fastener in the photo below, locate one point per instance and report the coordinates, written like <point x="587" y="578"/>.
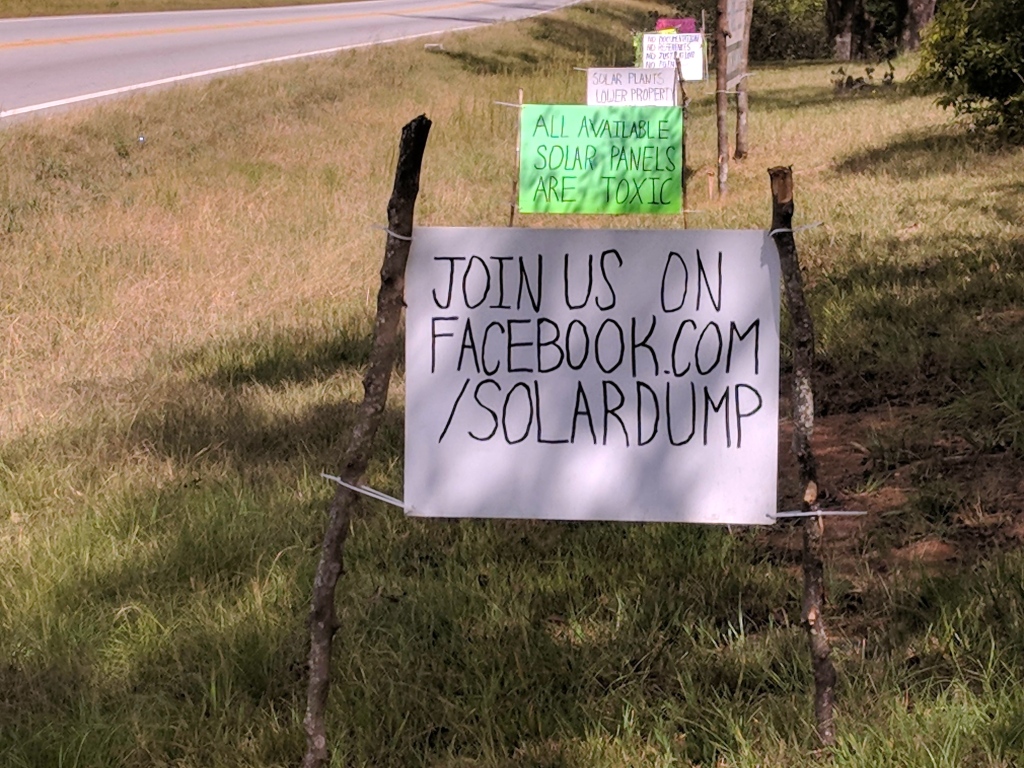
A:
<point x="780" y="230"/>
<point x="371" y="492"/>
<point x="394" y="234"/>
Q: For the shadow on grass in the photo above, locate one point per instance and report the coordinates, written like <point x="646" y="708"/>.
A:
<point x="509" y="644"/>
<point x="809" y="97"/>
<point x="223" y="409"/>
<point x="499" y="62"/>
<point x="178" y="650"/>
<point x="486" y="640"/>
<point x="563" y="34"/>
<point x="492" y="641"/>
<point x="922" y="325"/>
<point x="279" y="358"/>
<point x="923" y="153"/>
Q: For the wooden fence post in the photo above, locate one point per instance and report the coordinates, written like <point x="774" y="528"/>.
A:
<point x="802" y="341"/>
<point x="323" y="621"/>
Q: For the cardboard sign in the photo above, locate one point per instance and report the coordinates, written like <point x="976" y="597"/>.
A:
<point x="582" y="159"/>
<point x="592" y="375"/>
<point x="663" y="50"/>
<point x="630" y="86"/>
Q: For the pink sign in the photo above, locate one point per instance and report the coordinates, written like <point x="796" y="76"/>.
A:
<point x="683" y="26"/>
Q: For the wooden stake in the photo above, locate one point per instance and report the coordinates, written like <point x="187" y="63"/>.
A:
<point x="802" y="342"/>
<point x="681" y="95"/>
<point x="515" y="175"/>
<point x="323" y="621"/>
<point x="722" y="98"/>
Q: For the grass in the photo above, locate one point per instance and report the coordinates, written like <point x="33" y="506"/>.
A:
<point x="185" y="320"/>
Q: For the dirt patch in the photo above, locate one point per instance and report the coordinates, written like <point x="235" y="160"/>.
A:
<point x="940" y="505"/>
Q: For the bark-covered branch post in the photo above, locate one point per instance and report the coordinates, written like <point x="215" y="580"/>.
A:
<point x="681" y="96"/>
<point x="722" y="97"/>
<point x="802" y="342"/>
<point x="323" y="621"/>
<point x="742" y="110"/>
<point x="515" y="175"/>
<point x="742" y="94"/>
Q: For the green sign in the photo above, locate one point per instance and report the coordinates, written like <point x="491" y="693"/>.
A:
<point x="583" y="159"/>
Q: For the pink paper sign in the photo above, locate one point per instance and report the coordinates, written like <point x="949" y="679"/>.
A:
<point x="682" y="26"/>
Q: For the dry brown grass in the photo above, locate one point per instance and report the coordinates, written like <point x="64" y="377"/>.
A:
<point x="142" y="228"/>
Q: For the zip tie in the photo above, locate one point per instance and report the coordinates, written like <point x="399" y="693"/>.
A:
<point x="732" y="93"/>
<point x="795" y="229"/>
<point x="508" y="104"/>
<point x="394" y="234"/>
<point x="373" y="494"/>
<point x="819" y="513"/>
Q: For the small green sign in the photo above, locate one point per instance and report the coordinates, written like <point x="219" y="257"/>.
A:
<point x="583" y="159"/>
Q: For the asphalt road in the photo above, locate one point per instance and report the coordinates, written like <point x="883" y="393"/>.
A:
<point x="53" y="62"/>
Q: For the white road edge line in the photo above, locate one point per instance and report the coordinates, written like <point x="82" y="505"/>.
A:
<point x="217" y="71"/>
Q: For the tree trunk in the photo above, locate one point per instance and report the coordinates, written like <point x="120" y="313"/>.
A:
<point x="722" y="99"/>
<point x="323" y="621"/>
<point x="802" y="343"/>
<point x="839" y="17"/>
<point x="919" y="13"/>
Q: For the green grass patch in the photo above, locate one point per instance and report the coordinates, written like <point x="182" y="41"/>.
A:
<point x="185" y="321"/>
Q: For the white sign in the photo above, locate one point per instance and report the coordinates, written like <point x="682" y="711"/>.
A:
<point x="632" y="86"/>
<point x="738" y="42"/>
<point x="592" y="375"/>
<point x="662" y="50"/>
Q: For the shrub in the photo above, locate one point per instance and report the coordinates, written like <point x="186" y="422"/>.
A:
<point x="975" y="54"/>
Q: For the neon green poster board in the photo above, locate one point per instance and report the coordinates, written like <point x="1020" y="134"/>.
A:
<point x="584" y="159"/>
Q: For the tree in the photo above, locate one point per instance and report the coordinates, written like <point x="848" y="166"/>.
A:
<point x="918" y="13"/>
<point x="975" y="54"/>
<point x="862" y="28"/>
<point x="840" y="16"/>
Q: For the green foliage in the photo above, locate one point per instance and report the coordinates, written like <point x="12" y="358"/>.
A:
<point x="975" y="54"/>
<point x="781" y="30"/>
<point x="788" y="29"/>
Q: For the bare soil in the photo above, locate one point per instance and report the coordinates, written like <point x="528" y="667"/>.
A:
<point x="988" y="492"/>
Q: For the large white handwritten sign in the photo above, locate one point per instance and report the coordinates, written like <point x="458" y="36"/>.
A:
<point x="664" y="50"/>
<point x="592" y="374"/>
